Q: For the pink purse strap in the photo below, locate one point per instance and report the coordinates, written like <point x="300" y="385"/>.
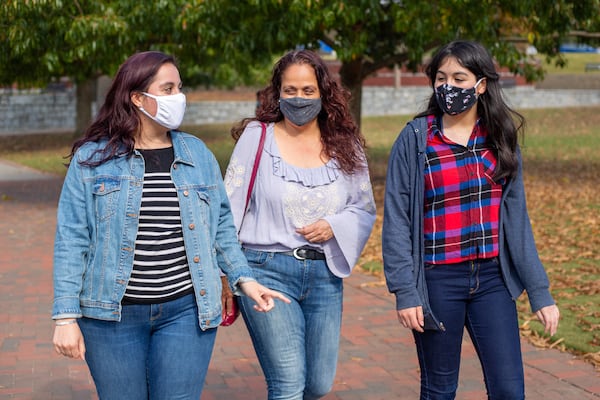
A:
<point x="261" y="144"/>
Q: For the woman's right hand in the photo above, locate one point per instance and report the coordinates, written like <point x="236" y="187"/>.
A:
<point x="412" y="318"/>
<point x="68" y="341"/>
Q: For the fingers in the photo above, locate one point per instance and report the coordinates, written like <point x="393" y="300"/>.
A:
<point x="228" y="306"/>
<point x="81" y="349"/>
<point x="549" y="317"/>
<point x="227" y="298"/>
<point x="266" y="300"/>
<point x="317" y="232"/>
<point x="264" y="304"/>
<point x="262" y="296"/>
<point x="279" y="296"/>
<point x="412" y="318"/>
<point x="68" y="341"/>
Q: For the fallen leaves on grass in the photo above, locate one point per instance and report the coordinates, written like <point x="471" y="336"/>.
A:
<point x="564" y="208"/>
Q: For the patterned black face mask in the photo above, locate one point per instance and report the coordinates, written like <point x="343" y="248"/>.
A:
<point x="454" y="100"/>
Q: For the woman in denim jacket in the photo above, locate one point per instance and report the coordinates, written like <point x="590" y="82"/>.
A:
<point x="457" y="242"/>
<point x="144" y="229"/>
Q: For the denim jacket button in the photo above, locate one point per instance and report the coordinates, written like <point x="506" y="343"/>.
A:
<point x="202" y="292"/>
<point x="196" y="259"/>
<point x="191" y="226"/>
<point x="186" y="193"/>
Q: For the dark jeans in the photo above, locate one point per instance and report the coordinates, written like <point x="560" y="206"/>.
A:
<point x="472" y="295"/>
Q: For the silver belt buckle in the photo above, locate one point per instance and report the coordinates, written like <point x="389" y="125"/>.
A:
<point x="296" y="255"/>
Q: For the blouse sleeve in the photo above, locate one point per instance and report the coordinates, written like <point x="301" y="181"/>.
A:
<point x="352" y="226"/>
<point x="237" y="174"/>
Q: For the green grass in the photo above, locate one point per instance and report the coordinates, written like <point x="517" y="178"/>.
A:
<point x="562" y="178"/>
<point x="575" y="63"/>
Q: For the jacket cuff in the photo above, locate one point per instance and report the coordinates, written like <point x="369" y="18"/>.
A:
<point x="406" y="298"/>
<point x="235" y="287"/>
<point x="540" y="299"/>
<point x="66" y="307"/>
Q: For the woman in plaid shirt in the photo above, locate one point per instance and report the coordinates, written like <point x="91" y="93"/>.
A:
<point x="457" y="242"/>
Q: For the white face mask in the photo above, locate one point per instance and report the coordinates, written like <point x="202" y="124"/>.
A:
<point x="169" y="110"/>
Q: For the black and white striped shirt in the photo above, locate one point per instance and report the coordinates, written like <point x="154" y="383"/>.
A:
<point x="160" y="270"/>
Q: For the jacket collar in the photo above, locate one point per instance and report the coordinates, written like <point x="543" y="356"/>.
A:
<point x="181" y="149"/>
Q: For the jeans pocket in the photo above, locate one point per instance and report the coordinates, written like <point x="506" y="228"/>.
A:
<point x="257" y="259"/>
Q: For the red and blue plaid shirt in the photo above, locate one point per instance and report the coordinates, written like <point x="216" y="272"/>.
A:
<point x="462" y="200"/>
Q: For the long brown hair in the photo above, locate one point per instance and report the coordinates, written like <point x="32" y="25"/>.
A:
<point x="340" y="135"/>
<point x="117" y="121"/>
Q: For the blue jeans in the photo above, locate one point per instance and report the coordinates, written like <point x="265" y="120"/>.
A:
<point x="296" y="344"/>
<point x="473" y="295"/>
<point x="155" y="352"/>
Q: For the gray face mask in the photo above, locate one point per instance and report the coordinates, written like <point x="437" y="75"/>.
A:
<point x="300" y="111"/>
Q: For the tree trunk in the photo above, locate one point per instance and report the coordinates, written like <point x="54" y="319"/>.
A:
<point x="86" y="95"/>
<point x="352" y="78"/>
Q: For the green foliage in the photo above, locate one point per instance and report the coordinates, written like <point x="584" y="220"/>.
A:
<point x="233" y="42"/>
<point x="370" y="34"/>
<point x="383" y="33"/>
<point x="43" y="40"/>
<point x="81" y="39"/>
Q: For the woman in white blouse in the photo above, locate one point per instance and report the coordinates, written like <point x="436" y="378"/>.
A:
<point x="309" y="217"/>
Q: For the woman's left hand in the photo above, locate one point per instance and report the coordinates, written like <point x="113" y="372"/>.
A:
<point x="263" y="296"/>
<point x="316" y="232"/>
<point x="227" y="298"/>
<point x="549" y="316"/>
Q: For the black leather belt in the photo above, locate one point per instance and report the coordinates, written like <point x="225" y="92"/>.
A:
<point x="304" y="253"/>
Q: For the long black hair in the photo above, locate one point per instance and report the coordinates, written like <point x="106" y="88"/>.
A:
<point x="502" y="123"/>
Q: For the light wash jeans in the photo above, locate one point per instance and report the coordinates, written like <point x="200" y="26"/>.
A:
<point x="296" y="344"/>
<point x="473" y="295"/>
<point x="156" y="352"/>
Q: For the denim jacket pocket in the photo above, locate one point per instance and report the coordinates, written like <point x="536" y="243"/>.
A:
<point x="207" y="206"/>
<point x="106" y="191"/>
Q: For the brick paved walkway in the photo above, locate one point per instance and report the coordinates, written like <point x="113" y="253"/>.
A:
<point x="377" y="358"/>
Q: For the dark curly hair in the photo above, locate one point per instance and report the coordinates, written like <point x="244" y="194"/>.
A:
<point x="117" y="121"/>
<point x="340" y="135"/>
<point x="502" y="123"/>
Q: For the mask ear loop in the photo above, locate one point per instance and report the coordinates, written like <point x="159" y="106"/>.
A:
<point x="477" y="84"/>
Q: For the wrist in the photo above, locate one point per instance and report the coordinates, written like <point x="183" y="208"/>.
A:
<point x="66" y="321"/>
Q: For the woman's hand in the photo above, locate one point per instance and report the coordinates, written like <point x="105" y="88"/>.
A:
<point x="317" y="232"/>
<point x="227" y="299"/>
<point x="68" y="340"/>
<point x="549" y="316"/>
<point x="412" y="318"/>
<point x="263" y="296"/>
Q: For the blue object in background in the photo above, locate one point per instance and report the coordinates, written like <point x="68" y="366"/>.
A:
<point x="324" y="48"/>
<point x="577" y="48"/>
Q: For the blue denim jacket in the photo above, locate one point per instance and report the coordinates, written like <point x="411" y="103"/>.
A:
<point x="402" y="233"/>
<point x="97" y="225"/>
